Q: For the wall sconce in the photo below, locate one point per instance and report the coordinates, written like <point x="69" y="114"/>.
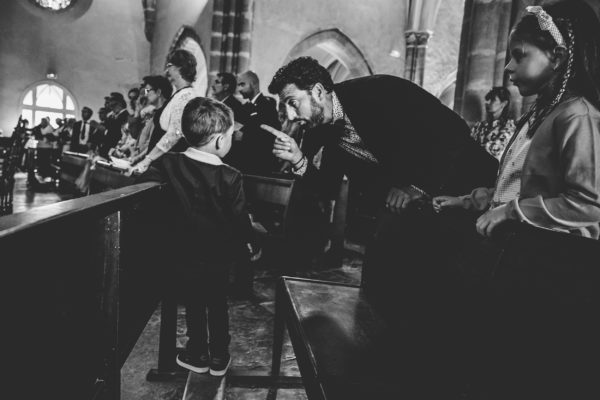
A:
<point x="395" y="53"/>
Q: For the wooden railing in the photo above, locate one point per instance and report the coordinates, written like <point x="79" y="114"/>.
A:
<point x="83" y="277"/>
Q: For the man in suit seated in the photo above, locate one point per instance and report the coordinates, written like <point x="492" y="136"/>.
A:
<point x="256" y="146"/>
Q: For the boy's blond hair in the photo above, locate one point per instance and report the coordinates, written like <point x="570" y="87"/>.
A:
<point x="203" y="118"/>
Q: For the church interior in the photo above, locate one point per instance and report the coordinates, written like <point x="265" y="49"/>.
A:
<point x="87" y="245"/>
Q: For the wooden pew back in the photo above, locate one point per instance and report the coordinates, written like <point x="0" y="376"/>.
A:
<point x="84" y="277"/>
<point x="269" y="201"/>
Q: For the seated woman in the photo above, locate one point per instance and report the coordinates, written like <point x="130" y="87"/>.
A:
<point x="496" y="130"/>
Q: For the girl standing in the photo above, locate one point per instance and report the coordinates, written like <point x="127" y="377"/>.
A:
<point x="549" y="175"/>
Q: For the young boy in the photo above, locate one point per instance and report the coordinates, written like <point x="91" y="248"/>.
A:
<point x="216" y="227"/>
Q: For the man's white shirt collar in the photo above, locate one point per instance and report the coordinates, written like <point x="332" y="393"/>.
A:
<point x="202" y="156"/>
<point x="253" y="101"/>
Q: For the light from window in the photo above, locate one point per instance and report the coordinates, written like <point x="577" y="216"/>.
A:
<point x="55" y="5"/>
<point x="47" y="100"/>
<point x="28" y="100"/>
<point x="49" y="96"/>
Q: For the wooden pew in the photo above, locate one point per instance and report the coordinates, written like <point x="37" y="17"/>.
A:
<point x="83" y="277"/>
<point x="105" y="176"/>
<point x="339" y="340"/>
<point x="545" y="283"/>
<point x="269" y="200"/>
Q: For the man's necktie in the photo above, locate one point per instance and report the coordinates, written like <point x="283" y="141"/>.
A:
<point x="83" y="130"/>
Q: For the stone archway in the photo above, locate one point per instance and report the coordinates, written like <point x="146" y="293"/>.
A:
<point x="448" y="87"/>
<point x="336" y="52"/>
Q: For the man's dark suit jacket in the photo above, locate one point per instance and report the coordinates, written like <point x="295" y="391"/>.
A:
<point x="257" y="143"/>
<point x="76" y="136"/>
<point x="239" y="114"/>
<point x="416" y="139"/>
<point x="113" y="132"/>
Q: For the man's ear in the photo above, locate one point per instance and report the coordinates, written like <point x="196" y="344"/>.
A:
<point x="559" y="56"/>
<point x="318" y="91"/>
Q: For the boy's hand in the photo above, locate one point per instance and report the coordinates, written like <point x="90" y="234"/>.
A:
<point x="255" y="252"/>
<point x="441" y="202"/>
<point x="256" y="256"/>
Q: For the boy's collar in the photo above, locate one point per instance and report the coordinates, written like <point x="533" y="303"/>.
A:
<point x="202" y="156"/>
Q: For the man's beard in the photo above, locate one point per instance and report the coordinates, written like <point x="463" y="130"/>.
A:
<point x="317" y="114"/>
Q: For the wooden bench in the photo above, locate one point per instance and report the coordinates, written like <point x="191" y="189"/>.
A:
<point x="342" y="345"/>
<point x="84" y="275"/>
<point x="104" y="177"/>
<point x="347" y="350"/>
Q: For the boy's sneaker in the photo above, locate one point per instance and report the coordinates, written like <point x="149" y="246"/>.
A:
<point x="219" y="365"/>
<point x="198" y="364"/>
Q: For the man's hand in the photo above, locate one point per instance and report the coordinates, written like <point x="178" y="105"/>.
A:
<point x="399" y="198"/>
<point x="487" y="222"/>
<point x="442" y="202"/>
<point x="285" y="148"/>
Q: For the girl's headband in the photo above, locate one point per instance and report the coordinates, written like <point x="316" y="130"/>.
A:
<point x="547" y="24"/>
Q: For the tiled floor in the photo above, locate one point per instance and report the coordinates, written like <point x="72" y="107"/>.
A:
<point x="251" y="326"/>
<point x="25" y="199"/>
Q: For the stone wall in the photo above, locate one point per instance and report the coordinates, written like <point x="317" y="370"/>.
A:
<point x="101" y="51"/>
<point x="376" y="27"/>
<point x="441" y="59"/>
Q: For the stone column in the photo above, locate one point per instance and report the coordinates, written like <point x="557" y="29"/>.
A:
<point x="421" y="19"/>
<point x="231" y="33"/>
<point x="416" y="46"/>
<point x="482" y="55"/>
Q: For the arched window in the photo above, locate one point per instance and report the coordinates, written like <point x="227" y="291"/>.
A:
<point x="47" y="99"/>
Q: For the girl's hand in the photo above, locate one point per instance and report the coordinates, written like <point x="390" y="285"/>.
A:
<point x="441" y="202"/>
<point x="492" y="218"/>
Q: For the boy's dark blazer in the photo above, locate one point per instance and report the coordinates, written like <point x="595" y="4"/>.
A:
<point x="416" y="139"/>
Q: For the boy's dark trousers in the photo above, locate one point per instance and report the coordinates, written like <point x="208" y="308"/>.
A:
<point x="205" y="299"/>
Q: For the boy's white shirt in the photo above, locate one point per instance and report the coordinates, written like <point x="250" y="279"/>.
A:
<point x="202" y="156"/>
